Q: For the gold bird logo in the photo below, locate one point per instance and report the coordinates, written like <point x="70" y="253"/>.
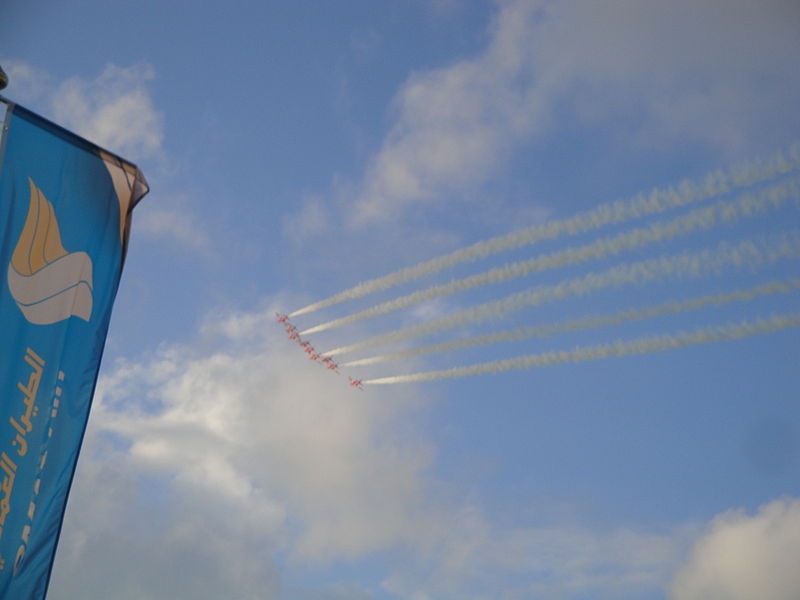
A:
<point x="48" y="283"/>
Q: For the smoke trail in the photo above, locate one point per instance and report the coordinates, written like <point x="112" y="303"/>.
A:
<point x="620" y="348"/>
<point x="658" y="200"/>
<point x="690" y="265"/>
<point x="625" y="316"/>
<point x="746" y="205"/>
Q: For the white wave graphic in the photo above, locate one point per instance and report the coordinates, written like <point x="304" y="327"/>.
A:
<point x="48" y="283"/>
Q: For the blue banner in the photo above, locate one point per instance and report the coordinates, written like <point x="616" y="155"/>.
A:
<point x="65" y="208"/>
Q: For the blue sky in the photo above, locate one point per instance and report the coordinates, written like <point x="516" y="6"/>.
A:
<point x="294" y="151"/>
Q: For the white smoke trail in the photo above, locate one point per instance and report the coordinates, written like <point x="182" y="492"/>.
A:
<point x="625" y="316"/>
<point x="689" y="265"/>
<point x="658" y="200"/>
<point x="620" y="348"/>
<point x="726" y="211"/>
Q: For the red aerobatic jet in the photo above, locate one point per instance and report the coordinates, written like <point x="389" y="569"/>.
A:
<point x="356" y="383"/>
<point x="281" y="318"/>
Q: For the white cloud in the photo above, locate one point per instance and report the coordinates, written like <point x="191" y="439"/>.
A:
<point x="114" y="110"/>
<point x="710" y="71"/>
<point x="26" y="83"/>
<point x="177" y="224"/>
<point x="454" y="125"/>
<point x="312" y="219"/>
<point x="714" y="72"/>
<point x="204" y="463"/>
<point x="742" y="557"/>
<point x="214" y="459"/>
<point x="474" y="560"/>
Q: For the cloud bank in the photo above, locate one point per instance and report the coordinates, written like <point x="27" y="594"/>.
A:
<point x="202" y="466"/>
<point x="114" y="110"/>
<point x="712" y="73"/>
<point x="213" y="470"/>
<point x="745" y="556"/>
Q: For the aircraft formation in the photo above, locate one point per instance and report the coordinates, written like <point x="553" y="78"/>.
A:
<point x="326" y="361"/>
<point x="721" y="200"/>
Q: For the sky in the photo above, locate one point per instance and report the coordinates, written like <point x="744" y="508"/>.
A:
<point x="645" y="446"/>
